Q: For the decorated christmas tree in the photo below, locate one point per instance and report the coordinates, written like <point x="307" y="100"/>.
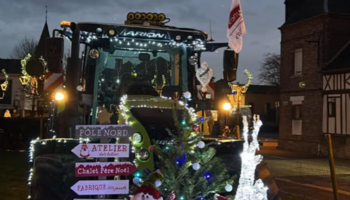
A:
<point x="190" y="168"/>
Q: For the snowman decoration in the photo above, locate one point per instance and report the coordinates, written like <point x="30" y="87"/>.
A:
<point x="149" y="188"/>
<point x="204" y="75"/>
<point x="84" y="151"/>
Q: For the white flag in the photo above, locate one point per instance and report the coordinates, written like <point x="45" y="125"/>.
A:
<point x="236" y="27"/>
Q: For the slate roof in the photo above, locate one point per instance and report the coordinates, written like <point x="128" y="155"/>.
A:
<point x="11" y="66"/>
<point x="312" y="8"/>
<point x="41" y="47"/>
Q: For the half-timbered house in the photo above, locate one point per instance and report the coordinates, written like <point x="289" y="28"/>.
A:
<point x="315" y="76"/>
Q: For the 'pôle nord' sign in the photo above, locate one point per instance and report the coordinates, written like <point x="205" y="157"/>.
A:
<point x="103" y="131"/>
<point x="98" y="150"/>
<point x="101" y="187"/>
<point x="88" y="169"/>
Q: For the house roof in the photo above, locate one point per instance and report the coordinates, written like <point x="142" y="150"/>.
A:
<point x="312" y="8"/>
<point x="340" y="62"/>
<point x="11" y="66"/>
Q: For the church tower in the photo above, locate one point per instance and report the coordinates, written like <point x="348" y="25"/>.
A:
<point x="41" y="47"/>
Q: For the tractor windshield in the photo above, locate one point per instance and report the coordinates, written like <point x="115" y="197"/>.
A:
<point x="133" y="67"/>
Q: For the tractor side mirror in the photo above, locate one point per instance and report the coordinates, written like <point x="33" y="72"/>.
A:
<point x="54" y="54"/>
<point x="230" y="65"/>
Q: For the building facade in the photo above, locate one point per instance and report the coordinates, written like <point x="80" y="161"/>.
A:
<point x="312" y="35"/>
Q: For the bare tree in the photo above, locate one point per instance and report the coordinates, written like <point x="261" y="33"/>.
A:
<point x="270" y="69"/>
<point x="24" y="47"/>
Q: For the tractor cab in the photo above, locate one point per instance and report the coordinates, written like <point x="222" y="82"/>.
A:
<point x="142" y="58"/>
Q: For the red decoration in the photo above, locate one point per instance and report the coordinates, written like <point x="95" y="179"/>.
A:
<point x="104" y="169"/>
<point x="148" y="190"/>
<point x="151" y="148"/>
<point x="195" y="128"/>
<point x="171" y="196"/>
<point x="222" y="198"/>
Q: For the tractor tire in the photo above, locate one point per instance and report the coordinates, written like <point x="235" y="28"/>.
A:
<point x="53" y="176"/>
<point x="54" y="171"/>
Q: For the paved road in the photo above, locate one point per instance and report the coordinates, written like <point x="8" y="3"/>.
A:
<point x="306" y="176"/>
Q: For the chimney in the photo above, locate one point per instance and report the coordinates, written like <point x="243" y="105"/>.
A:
<point x="292" y="6"/>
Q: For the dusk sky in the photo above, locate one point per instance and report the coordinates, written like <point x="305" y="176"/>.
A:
<point x="21" y="18"/>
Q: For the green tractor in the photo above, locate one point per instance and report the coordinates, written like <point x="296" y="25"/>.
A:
<point x="134" y="74"/>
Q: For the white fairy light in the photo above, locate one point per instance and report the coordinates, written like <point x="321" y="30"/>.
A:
<point x="247" y="189"/>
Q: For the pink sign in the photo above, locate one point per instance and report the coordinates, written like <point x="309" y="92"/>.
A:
<point x="101" y="187"/>
<point x="104" y="169"/>
<point x="101" y="150"/>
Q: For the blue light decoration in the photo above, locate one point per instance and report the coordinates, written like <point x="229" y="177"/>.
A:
<point x="137" y="174"/>
<point x="183" y="122"/>
<point x="207" y="175"/>
<point x="200" y="198"/>
<point x="233" y="92"/>
<point x="181" y="161"/>
<point x="202" y="119"/>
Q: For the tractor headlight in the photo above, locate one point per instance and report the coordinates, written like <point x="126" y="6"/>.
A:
<point x="144" y="155"/>
<point x="137" y="138"/>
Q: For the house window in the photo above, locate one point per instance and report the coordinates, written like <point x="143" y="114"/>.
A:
<point x="296" y="112"/>
<point x="331" y="107"/>
<point x="298" y="62"/>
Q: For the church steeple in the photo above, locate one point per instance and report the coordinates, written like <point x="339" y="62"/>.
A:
<point x="41" y="48"/>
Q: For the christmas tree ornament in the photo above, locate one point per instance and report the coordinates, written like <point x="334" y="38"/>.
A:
<point x="158" y="183"/>
<point x="196" y="166"/>
<point x="187" y="95"/>
<point x="201" y="144"/>
<point x="151" y="148"/>
<point x="204" y="75"/>
<point x="228" y="187"/>
<point x="171" y="196"/>
<point x="195" y="128"/>
<point x="136" y="181"/>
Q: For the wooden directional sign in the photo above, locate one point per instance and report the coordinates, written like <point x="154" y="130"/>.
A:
<point x="97" y="150"/>
<point x="103" y="131"/>
<point x="104" y="169"/>
<point x="101" y="187"/>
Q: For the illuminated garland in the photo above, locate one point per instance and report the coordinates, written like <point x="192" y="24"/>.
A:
<point x="4" y="84"/>
<point x="44" y="64"/>
<point x="242" y="89"/>
<point x="196" y="45"/>
<point x="148" y="102"/>
<point x="26" y="77"/>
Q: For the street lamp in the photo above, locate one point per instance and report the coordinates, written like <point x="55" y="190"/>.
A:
<point x="227" y="106"/>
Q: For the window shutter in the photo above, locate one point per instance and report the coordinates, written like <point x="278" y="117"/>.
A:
<point x="298" y="61"/>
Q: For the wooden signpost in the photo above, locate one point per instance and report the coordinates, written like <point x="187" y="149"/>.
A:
<point x="103" y="131"/>
<point x="101" y="187"/>
<point x="98" y="150"/>
<point x="102" y="150"/>
<point x="104" y="169"/>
